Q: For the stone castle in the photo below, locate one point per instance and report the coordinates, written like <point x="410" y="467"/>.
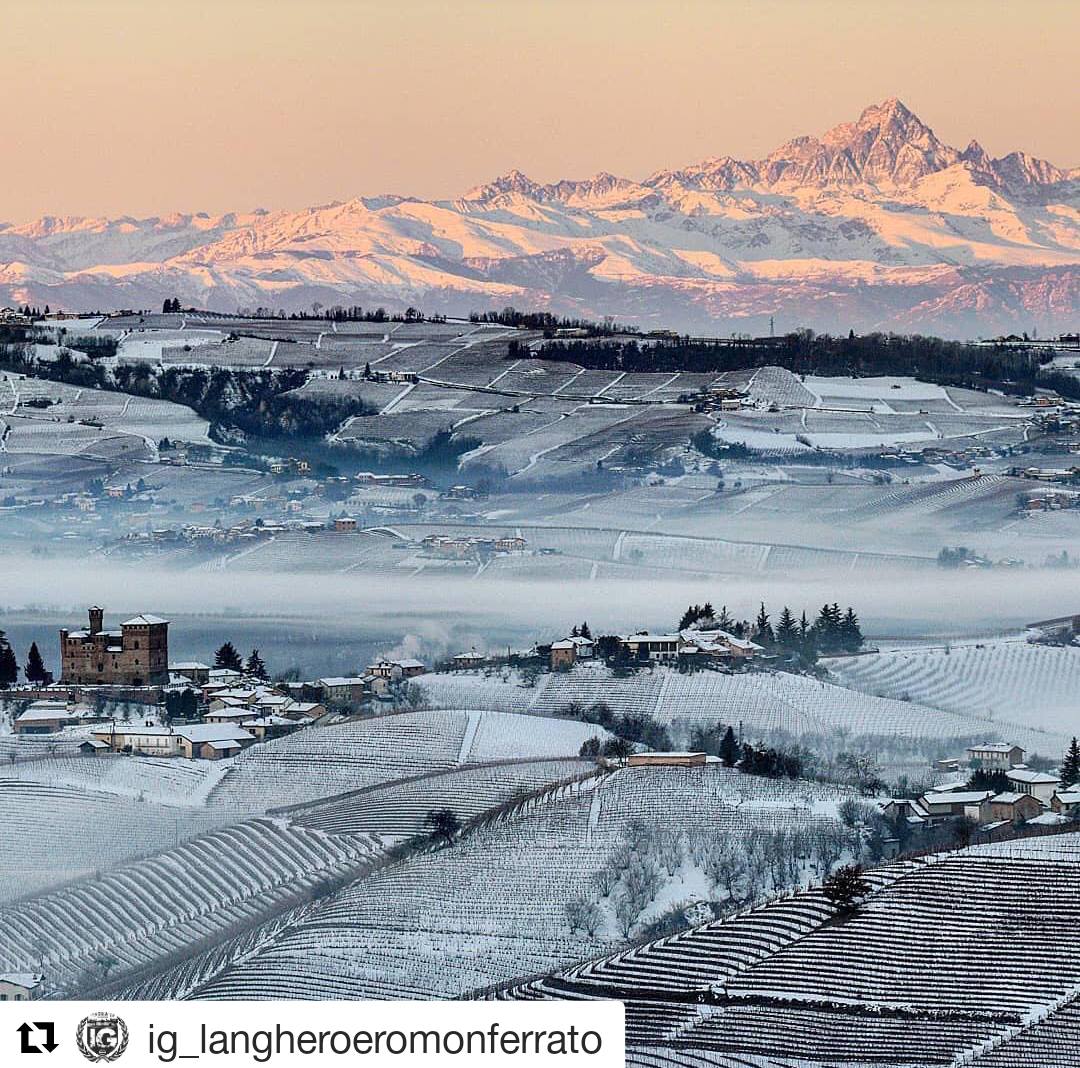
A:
<point x="135" y="655"/>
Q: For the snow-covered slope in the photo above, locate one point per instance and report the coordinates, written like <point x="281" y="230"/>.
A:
<point x="876" y="223"/>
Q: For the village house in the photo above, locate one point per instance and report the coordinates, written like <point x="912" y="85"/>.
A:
<point x="304" y="711"/>
<point x="975" y="804"/>
<point x="1066" y="802"/>
<point x="995" y="756"/>
<point x="146" y="740"/>
<point x="270" y="726"/>
<point x="568" y="651"/>
<point x="1039" y="784"/>
<point x="663" y="648"/>
<point x="343" y="690"/>
<point x="48" y="717"/>
<point x="20" y="986"/>
<point x="135" y="655"/>
<point x="471" y="659"/>
<point x="193" y="670"/>
<point x="212" y="741"/>
<point x="1015" y="807"/>
<point x="345" y="525"/>
<point x="905" y="808"/>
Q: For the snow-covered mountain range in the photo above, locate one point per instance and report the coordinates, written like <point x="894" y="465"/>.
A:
<point x="877" y="223"/>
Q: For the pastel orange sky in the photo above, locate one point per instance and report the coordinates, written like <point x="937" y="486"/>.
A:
<point x="116" y="106"/>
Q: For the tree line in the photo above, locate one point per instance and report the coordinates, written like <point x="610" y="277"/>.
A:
<point x="1010" y="368"/>
<point x="832" y="631"/>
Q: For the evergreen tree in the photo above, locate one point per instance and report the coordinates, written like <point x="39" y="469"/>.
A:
<point x="763" y="628"/>
<point x="1070" y="767"/>
<point x="846" y="888"/>
<point x="255" y="665"/>
<point x="9" y="665"/>
<point x="584" y="631"/>
<point x="729" y="749"/>
<point x="444" y="824"/>
<point x="787" y="630"/>
<point x="228" y="657"/>
<point x="35" y="670"/>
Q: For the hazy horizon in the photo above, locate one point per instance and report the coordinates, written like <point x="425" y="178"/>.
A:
<point x="196" y="108"/>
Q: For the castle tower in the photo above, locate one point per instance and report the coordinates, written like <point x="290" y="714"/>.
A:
<point x="97" y="616"/>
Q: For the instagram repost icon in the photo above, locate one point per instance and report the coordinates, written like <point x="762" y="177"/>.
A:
<point x="101" y="1036"/>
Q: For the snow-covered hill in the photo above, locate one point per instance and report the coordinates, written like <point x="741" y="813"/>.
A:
<point x="877" y="223"/>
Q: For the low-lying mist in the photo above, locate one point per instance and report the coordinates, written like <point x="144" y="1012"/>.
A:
<point x="335" y="623"/>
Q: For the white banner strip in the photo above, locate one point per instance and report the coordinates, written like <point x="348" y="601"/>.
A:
<point x="290" y="1034"/>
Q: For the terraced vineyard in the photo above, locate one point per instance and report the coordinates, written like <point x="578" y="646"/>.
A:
<point x="52" y="834"/>
<point x="137" y="914"/>
<point x="1008" y="681"/>
<point x="494" y="905"/>
<point x="766" y="701"/>
<point x="906" y="980"/>
<point x="401" y="809"/>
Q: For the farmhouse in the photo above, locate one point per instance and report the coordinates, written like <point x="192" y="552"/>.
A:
<point x="1037" y="783"/>
<point x="20" y="986"/>
<point x="720" y="644"/>
<point x="135" y="655"/>
<point x="566" y="652"/>
<point x="471" y="659"/>
<point x="995" y="756"/>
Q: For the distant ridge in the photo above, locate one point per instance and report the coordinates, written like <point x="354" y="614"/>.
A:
<point x="877" y="223"/>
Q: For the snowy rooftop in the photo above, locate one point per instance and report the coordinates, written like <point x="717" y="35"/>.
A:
<point x="971" y="797"/>
<point x="26" y="979"/>
<point x="143" y="621"/>
<point x="213" y="732"/>
<point x="1031" y="777"/>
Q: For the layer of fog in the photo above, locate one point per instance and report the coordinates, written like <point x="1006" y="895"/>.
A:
<point x="430" y="617"/>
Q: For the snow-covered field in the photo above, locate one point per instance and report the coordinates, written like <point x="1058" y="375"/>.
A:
<point x="1012" y="683"/>
<point x="446" y="923"/>
<point x="762" y="701"/>
<point x="898" y="982"/>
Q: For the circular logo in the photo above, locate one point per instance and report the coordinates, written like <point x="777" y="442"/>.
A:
<point x="101" y="1036"/>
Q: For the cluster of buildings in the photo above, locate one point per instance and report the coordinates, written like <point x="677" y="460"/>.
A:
<point x="692" y="648"/>
<point x="1050" y="501"/>
<point x="1032" y="797"/>
<point x="376" y="684"/>
<point x="1063" y="475"/>
<point x="459" y="547"/>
